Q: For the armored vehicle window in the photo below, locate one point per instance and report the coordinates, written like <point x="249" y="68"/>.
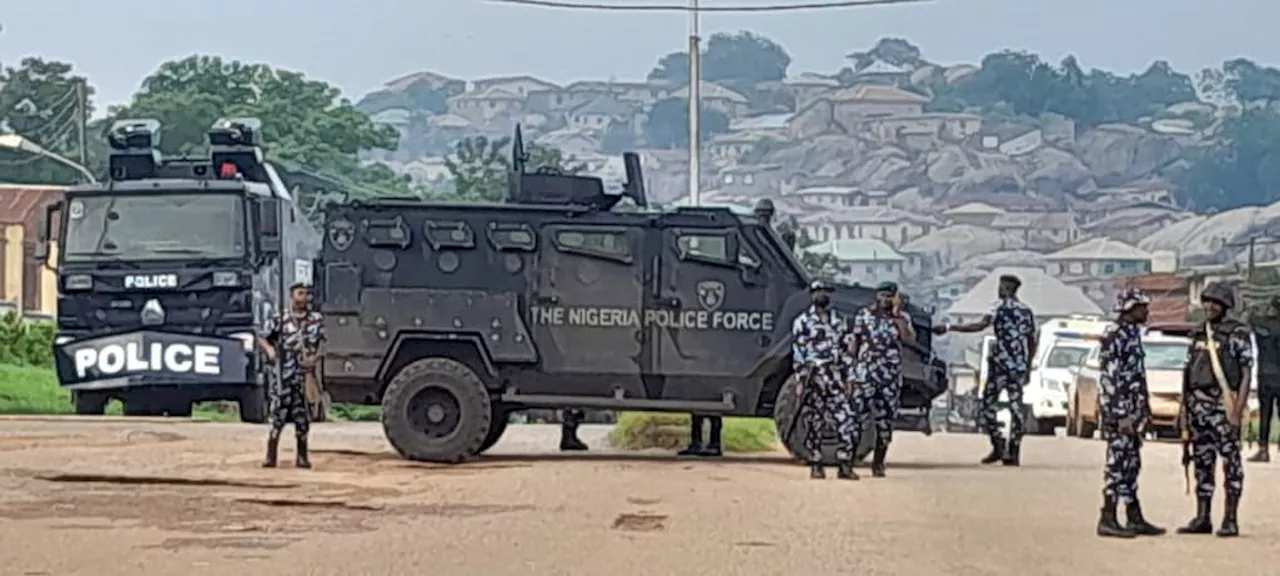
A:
<point x="381" y="232"/>
<point x="448" y="235"/>
<point x="512" y="237"/>
<point x="713" y="248"/>
<point x="608" y="243"/>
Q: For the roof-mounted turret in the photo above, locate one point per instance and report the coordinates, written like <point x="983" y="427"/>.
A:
<point x="548" y="185"/>
<point x="135" y="153"/>
<point x="235" y="147"/>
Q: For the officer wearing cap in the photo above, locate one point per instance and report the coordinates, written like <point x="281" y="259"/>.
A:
<point x="1216" y="381"/>
<point x="297" y="339"/>
<point x="1126" y="412"/>
<point x="820" y="363"/>
<point x="878" y="333"/>
<point x="1014" y="327"/>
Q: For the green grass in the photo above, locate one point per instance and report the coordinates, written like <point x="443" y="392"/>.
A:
<point x="1251" y="432"/>
<point x="642" y="430"/>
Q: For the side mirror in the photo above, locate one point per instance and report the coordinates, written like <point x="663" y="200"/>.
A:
<point x="1073" y="370"/>
<point x="268" y="226"/>
<point x="51" y="213"/>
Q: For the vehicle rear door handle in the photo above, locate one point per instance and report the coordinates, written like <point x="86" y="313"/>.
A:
<point x="546" y="299"/>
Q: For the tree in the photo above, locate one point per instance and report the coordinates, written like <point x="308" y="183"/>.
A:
<point x="1241" y="169"/>
<point x="668" y="123"/>
<point x="819" y="265"/>
<point x="1249" y="82"/>
<point x="307" y="126"/>
<point x="741" y="57"/>
<point x="894" y="51"/>
<point x="39" y="100"/>
<point x="480" y="166"/>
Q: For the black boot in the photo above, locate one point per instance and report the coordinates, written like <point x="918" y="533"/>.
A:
<point x="877" y="461"/>
<point x="1139" y="525"/>
<point x="695" y="439"/>
<point x="1108" y="526"/>
<point x="302" y="460"/>
<point x="569" y="441"/>
<point x="1230" y="528"/>
<point x="997" y="453"/>
<point x="1012" y="456"/>
<point x="846" y="471"/>
<point x="1202" y="523"/>
<point x="816" y="472"/>
<point x="273" y="451"/>
<point x="1263" y="455"/>
<point x="713" y="449"/>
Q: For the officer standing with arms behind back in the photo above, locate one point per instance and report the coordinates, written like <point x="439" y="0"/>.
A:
<point x="1215" y="389"/>
<point x="1014" y="327"/>
<point x="819" y="362"/>
<point x="297" y="338"/>
<point x="1126" y="412"/>
<point x="1267" y="329"/>
<point x="878" y="333"/>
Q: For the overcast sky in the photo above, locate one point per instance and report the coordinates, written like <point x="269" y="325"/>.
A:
<point x="358" y="45"/>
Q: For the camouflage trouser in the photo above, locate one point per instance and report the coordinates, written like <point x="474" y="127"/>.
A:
<point x="1212" y="436"/>
<point x="1124" y="461"/>
<point x="1011" y="384"/>
<point x="288" y="404"/>
<point x="828" y="406"/>
<point x="882" y="397"/>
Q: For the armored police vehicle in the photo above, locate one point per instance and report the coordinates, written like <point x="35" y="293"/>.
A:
<point x="167" y="270"/>
<point x="453" y="316"/>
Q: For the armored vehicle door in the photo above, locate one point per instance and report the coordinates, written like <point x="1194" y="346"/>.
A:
<point x="586" y="304"/>
<point x="714" y="311"/>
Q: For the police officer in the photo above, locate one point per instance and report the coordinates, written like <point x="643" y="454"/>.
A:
<point x="878" y="334"/>
<point x="1216" y="384"/>
<point x="569" y="422"/>
<point x="1014" y="327"/>
<point x="1267" y="330"/>
<point x="820" y="361"/>
<point x="1126" y="412"/>
<point x="696" y="446"/>
<point x="297" y="338"/>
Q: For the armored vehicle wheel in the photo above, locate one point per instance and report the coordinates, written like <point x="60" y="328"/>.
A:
<point x="792" y="429"/>
<point x="253" y="405"/>
<point x="436" y="410"/>
<point x="501" y="417"/>
<point x="90" y="403"/>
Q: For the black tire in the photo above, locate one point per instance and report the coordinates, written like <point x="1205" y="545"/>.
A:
<point x="501" y="417"/>
<point x="90" y="403"/>
<point x="792" y="429"/>
<point x="436" y="410"/>
<point x="253" y="405"/>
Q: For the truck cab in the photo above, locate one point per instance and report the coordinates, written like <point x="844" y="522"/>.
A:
<point x="454" y="316"/>
<point x="167" y="271"/>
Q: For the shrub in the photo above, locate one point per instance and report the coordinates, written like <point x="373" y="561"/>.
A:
<point x="25" y="343"/>
<point x="29" y="390"/>
<point x="642" y="430"/>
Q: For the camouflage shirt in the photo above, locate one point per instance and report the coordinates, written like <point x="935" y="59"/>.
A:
<point x="1123" y="379"/>
<point x="818" y="339"/>
<point x="1013" y="325"/>
<point x="299" y="336"/>
<point x="878" y="357"/>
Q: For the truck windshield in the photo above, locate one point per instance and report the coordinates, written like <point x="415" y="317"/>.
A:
<point x="1165" y="355"/>
<point x="154" y="226"/>
<point x="1065" y="356"/>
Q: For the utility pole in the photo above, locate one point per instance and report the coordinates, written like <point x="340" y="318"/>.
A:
<point x="695" y="101"/>
<point x="82" y="122"/>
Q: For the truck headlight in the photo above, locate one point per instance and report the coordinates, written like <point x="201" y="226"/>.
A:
<point x="226" y="279"/>
<point x="247" y="340"/>
<point x="60" y="340"/>
<point x="78" y="282"/>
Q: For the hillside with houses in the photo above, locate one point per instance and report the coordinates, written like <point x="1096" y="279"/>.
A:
<point x="874" y="173"/>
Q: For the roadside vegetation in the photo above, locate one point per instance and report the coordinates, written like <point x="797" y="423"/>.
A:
<point x="644" y="430"/>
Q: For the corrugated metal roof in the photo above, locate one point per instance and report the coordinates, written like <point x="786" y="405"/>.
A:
<point x="19" y="203"/>
<point x="858" y="250"/>
<point x="1047" y="296"/>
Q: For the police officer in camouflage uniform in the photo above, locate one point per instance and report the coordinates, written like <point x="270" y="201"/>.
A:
<point x="1267" y="330"/>
<point x="878" y="334"/>
<point x="820" y="362"/>
<point x="1220" y="357"/>
<point x="1014" y="327"/>
<point x="297" y="339"/>
<point x="1126" y="412"/>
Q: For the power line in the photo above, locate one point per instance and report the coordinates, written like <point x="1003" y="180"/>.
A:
<point x="791" y="7"/>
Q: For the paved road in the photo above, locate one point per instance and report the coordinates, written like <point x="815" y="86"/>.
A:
<point x="113" y="497"/>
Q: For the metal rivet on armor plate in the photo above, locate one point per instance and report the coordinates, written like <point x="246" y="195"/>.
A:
<point x="457" y="322"/>
<point x="417" y="321"/>
<point x="495" y="324"/>
<point x="469" y="301"/>
<point x="382" y="334"/>
<point x="342" y="321"/>
<point x="348" y="366"/>
<point x="379" y="321"/>
<point x="494" y="337"/>
<point x="519" y="338"/>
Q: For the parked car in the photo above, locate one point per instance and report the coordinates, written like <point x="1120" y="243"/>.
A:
<point x="1166" y="354"/>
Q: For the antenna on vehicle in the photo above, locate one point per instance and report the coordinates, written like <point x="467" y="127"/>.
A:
<point x="518" y="158"/>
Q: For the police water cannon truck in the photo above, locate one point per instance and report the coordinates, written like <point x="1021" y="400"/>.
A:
<point x="167" y="271"/>
<point x="453" y="316"/>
